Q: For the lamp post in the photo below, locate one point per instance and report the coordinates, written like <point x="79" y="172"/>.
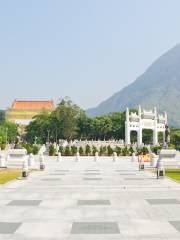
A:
<point x="48" y="135"/>
<point x="56" y="135"/>
<point x="35" y="140"/>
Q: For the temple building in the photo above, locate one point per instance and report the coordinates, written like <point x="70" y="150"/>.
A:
<point x="22" y="112"/>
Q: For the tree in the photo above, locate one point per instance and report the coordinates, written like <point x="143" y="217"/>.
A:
<point x="175" y="137"/>
<point x="65" y="118"/>
<point x="39" y="127"/>
<point x="83" y="126"/>
<point x="8" y="131"/>
<point x="60" y="124"/>
<point x="104" y="126"/>
<point x="118" y="125"/>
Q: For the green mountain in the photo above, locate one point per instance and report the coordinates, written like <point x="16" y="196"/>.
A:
<point x="159" y="86"/>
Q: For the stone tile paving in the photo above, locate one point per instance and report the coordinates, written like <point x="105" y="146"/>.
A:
<point x="93" y="202"/>
<point x="118" y="206"/>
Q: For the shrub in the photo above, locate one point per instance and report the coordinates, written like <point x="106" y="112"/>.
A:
<point x="51" y="150"/>
<point x="171" y="146"/>
<point x="73" y="150"/>
<point x="156" y="149"/>
<point x="145" y="150"/>
<point x="109" y="150"/>
<point x="35" y="150"/>
<point x="138" y="151"/>
<point x="28" y="147"/>
<point x="118" y="151"/>
<point x="61" y="150"/>
<point x="125" y="151"/>
<point x="131" y="150"/>
<point x="105" y="150"/>
<point x="88" y="150"/>
<point x="3" y="146"/>
<point x="17" y="146"/>
<point x="81" y="151"/>
<point x="94" y="150"/>
<point x="68" y="151"/>
<point x="102" y="150"/>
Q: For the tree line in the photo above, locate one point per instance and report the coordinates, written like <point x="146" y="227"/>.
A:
<point x="69" y="121"/>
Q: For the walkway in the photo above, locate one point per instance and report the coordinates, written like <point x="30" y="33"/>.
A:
<point x="91" y="201"/>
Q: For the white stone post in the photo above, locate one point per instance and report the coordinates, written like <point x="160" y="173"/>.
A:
<point x="7" y="159"/>
<point x="153" y="160"/>
<point x="31" y="161"/>
<point x="59" y="158"/>
<point x="160" y="169"/>
<point x="25" y="169"/>
<point x="3" y="161"/>
<point x="133" y="157"/>
<point x="41" y="161"/>
<point x="114" y="157"/>
<point x="141" y="165"/>
<point x="77" y="157"/>
<point x="96" y="157"/>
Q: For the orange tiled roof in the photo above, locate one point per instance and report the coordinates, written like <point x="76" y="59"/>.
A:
<point x="34" y="105"/>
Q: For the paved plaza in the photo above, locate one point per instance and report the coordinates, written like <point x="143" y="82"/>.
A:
<point x="91" y="201"/>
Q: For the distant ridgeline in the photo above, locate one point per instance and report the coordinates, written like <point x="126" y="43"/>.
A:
<point x="158" y="86"/>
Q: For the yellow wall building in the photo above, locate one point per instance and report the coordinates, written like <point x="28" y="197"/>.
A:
<point x="22" y="112"/>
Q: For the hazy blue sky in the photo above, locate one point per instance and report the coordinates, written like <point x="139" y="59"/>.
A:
<point x="84" y="49"/>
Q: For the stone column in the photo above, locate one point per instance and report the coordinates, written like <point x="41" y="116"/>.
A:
<point x="155" y="137"/>
<point x="155" y="131"/>
<point x="127" y="136"/>
<point x="139" y="136"/>
<point x="139" y="112"/>
<point x="127" y="129"/>
<point x="139" y="133"/>
<point x="166" y="119"/>
<point x="164" y="138"/>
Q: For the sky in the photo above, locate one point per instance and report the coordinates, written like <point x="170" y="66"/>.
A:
<point x="84" y="49"/>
